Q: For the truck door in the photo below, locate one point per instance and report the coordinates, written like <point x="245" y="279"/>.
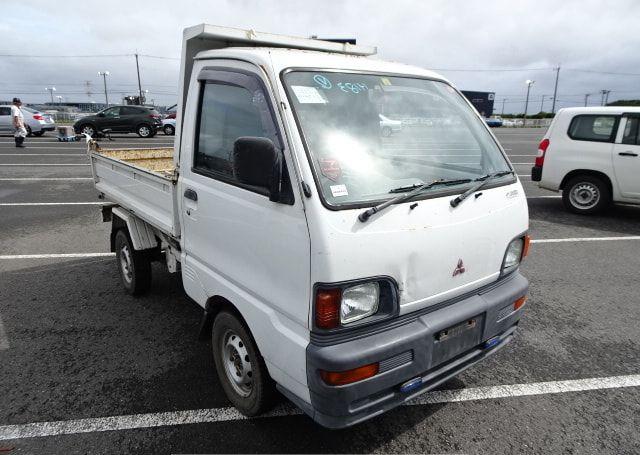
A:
<point x="237" y="243"/>
<point x="626" y="157"/>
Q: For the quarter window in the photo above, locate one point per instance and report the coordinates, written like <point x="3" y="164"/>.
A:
<point x="227" y="113"/>
<point x="630" y="135"/>
<point x="600" y="128"/>
<point x="126" y="110"/>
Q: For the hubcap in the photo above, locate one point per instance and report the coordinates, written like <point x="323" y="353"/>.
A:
<point x="144" y="131"/>
<point x="237" y="365"/>
<point x="88" y="130"/>
<point x="584" y="195"/>
<point x="126" y="264"/>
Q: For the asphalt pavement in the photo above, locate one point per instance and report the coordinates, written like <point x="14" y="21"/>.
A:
<point x="84" y="368"/>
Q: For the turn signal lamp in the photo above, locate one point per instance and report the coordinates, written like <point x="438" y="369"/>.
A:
<point x="349" y="376"/>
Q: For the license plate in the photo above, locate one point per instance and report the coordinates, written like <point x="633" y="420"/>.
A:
<point x="457" y="339"/>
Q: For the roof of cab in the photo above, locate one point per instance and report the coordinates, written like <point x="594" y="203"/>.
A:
<point x="284" y="58"/>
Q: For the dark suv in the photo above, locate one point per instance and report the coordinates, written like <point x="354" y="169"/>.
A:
<point x="144" y="121"/>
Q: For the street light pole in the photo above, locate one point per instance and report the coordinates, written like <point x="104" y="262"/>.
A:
<point x="503" y="100"/>
<point x="542" y="103"/>
<point x="555" y="90"/>
<point x="51" y="90"/>
<point x="586" y="99"/>
<point x="526" y="104"/>
<point x="104" y="75"/>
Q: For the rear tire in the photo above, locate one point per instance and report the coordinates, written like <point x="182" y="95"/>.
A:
<point x="39" y="133"/>
<point x="145" y="131"/>
<point x="386" y="131"/>
<point x="169" y="130"/>
<point x="240" y="367"/>
<point x="586" y="195"/>
<point x="29" y="132"/>
<point x="87" y="129"/>
<point x="134" y="266"/>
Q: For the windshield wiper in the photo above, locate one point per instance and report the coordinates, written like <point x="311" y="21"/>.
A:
<point x="482" y="181"/>
<point x="409" y="191"/>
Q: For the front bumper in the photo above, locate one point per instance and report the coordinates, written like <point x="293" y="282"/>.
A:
<point x="411" y="348"/>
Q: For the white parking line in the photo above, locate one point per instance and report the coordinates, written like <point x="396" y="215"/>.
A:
<point x="4" y="340"/>
<point x="586" y="239"/>
<point x="18" y="179"/>
<point x="42" y="154"/>
<point x="523" y="164"/>
<point x="544" y="197"/>
<point x="190" y="417"/>
<point x="45" y="164"/>
<point x="55" y="255"/>
<point x="17" y="204"/>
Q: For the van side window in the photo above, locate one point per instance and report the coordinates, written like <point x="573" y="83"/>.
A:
<point x="630" y="135"/>
<point x="600" y="128"/>
<point x="5" y="111"/>
<point x="227" y="113"/>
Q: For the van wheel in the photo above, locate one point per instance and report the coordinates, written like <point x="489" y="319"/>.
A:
<point x="586" y="194"/>
<point x="144" y="130"/>
<point x="241" y="369"/>
<point x="134" y="266"/>
<point x="169" y="130"/>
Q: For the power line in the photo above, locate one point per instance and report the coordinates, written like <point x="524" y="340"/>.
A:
<point x="602" y="72"/>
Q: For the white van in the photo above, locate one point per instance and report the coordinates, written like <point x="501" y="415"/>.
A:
<point x="591" y="154"/>
<point x="350" y="269"/>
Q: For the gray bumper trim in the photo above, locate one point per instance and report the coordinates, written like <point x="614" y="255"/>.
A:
<point x="433" y="359"/>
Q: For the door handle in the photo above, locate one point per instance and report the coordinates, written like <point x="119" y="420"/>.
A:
<point x="627" y="154"/>
<point x="190" y="194"/>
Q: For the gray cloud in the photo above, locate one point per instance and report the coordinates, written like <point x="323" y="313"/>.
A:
<point x="585" y="34"/>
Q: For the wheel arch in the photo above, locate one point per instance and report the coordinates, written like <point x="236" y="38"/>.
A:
<point x="576" y="172"/>
<point x="214" y="306"/>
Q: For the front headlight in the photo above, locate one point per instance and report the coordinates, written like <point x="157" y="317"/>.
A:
<point x="359" y="302"/>
<point x="514" y="254"/>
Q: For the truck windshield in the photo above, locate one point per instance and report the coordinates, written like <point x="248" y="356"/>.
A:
<point x="369" y="135"/>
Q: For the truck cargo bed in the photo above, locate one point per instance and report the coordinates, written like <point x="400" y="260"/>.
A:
<point x="140" y="180"/>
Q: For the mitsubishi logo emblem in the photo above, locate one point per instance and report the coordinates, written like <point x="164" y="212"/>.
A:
<point x="459" y="270"/>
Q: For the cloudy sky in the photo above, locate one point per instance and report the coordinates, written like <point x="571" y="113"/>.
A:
<point x="480" y="39"/>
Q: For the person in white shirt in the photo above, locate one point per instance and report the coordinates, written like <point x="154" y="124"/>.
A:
<point x="19" y="131"/>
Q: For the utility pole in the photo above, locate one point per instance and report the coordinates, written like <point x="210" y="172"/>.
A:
<point x="555" y="90"/>
<point x="542" y="103"/>
<point x="605" y="97"/>
<point x="50" y="90"/>
<point x="503" y="100"/>
<point x="526" y="104"/>
<point x="104" y="75"/>
<point x="586" y="99"/>
<point x="139" y="84"/>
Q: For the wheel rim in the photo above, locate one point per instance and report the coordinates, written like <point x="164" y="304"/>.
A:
<point x="88" y="130"/>
<point x="237" y="364"/>
<point x="126" y="264"/>
<point x="584" y="195"/>
<point x="144" y="131"/>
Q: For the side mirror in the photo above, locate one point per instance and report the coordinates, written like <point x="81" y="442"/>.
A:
<point x="257" y="163"/>
<point x="100" y="114"/>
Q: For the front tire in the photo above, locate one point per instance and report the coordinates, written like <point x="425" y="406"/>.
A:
<point x="134" y="266"/>
<point x="386" y="131"/>
<point x="88" y="129"/>
<point x="240" y="367"/>
<point x="586" y="195"/>
<point x="29" y="132"/>
<point x="169" y="130"/>
<point x="39" y="134"/>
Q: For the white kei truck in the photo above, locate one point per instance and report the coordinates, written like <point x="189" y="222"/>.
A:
<point x="349" y="269"/>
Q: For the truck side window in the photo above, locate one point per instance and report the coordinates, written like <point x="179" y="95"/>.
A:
<point x="599" y="128"/>
<point x="227" y="113"/>
<point x="630" y="135"/>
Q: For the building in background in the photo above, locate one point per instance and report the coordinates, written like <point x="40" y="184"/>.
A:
<point x="482" y="101"/>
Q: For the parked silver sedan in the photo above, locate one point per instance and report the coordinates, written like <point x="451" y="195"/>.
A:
<point x="36" y="122"/>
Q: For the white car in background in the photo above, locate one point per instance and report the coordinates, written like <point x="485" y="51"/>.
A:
<point x="591" y="154"/>
<point x="35" y="122"/>
<point x="169" y="126"/>
<point x="388" y="126"/>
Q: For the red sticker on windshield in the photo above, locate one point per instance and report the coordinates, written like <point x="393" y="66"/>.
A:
<point x="330" y="168"/>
